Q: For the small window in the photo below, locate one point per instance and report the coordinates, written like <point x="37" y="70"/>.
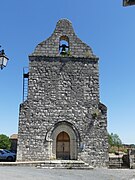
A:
<point x="64" y="45"/>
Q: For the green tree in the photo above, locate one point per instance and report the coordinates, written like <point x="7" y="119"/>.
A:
<point x="114" y="140"/>
<point x="4" y="142"/>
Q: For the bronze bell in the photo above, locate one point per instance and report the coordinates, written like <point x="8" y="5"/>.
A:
<point x="64" y="50"/>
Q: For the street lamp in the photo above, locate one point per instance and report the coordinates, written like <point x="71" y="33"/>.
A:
<point x="3" y="59"/>
<point x="128" y="2"/>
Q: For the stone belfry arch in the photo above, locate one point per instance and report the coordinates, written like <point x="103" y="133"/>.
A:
<point x="63" y="105"/>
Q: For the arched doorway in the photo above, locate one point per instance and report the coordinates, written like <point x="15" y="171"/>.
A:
<point x="63" y="146"/>
<point x="73" y="138"/>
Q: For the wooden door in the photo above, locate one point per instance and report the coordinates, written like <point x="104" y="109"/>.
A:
<point x="63" y="146"/>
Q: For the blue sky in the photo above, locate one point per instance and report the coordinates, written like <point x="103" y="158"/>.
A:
<point x="106" y="26"/>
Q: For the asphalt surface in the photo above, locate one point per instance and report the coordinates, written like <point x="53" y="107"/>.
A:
<point x="31" y="173"/>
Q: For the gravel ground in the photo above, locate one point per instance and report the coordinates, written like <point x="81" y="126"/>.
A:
<point x="30" y="173"/>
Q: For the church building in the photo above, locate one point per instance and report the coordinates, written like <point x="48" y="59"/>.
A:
<point x="62" y="117"/>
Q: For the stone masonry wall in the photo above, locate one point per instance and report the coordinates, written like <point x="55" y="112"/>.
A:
<point x="63" y="89"/>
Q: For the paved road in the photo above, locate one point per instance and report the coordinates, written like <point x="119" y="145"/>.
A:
<point x="30" y="173"/>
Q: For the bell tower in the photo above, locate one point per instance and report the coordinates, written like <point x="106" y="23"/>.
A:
<point x="62" y="117"/>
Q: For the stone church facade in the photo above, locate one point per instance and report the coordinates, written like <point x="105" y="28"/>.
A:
<point x="63" y="117"/>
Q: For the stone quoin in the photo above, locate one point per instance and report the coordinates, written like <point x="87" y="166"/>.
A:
<point x="63" y="117"/>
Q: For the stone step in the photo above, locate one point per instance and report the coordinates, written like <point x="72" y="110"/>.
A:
<point x="51" y="164"/>
<point x="64" y="164"/>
